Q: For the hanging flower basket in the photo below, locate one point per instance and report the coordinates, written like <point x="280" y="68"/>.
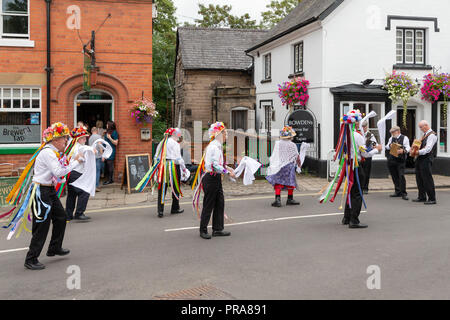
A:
<point x="401" y="87"/>
<point x="294" y="92"/>
<point x="435" y="85"/>
<point x="143" y="111"/>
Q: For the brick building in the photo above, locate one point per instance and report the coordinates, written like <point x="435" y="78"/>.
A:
<point x="213" y="78"/>
<point x="123" y="73"/>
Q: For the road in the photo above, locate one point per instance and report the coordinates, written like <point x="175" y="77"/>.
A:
<point x="287" y="253"/>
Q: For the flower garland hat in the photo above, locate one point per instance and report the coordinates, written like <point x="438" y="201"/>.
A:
<point x="287" y="133"/>
<point x="56" y="130"/>
<point x="79" y="132"/>
<point x="215" y="129"/>
<point x="173" y="132"/>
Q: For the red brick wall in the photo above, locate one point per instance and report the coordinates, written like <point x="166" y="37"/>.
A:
<point x="124" y="56"/>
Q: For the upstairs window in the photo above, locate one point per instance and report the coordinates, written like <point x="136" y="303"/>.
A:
<point x="15" y="19"/>
<point x="268" y="67"/>
<point x="298" y="58"/>
<point x="410" y="47"/>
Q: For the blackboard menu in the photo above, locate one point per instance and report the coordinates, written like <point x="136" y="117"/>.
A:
<point x="137" y="166"/>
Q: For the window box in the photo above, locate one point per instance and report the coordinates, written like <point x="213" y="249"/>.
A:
<point x="296" y="75"/>
<point x="412" y="67"/>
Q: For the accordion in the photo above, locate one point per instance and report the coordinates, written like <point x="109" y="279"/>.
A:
<point x="395" y="148"/>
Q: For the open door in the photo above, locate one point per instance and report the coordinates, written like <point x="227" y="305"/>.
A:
<point x="409" y="130"/>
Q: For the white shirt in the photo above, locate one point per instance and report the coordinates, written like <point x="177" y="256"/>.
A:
<point x="406" y="144"/>
<point x="214" y="158"/>
<point x="79" y="167"/>
<point x="47" y="165"/>
<point x="174" y="151"/>
<point x="361" y="147"/>
<point x="431" y="141"/>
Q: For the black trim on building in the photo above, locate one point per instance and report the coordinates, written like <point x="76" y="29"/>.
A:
<point x="412" y="18"/>
<point x="434" y="116"/>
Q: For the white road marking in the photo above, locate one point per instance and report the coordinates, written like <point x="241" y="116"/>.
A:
<point x="266" y="220"/>
<point x="13" y="250"/>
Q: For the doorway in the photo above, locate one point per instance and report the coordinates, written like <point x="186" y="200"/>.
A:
<point x="94" y="106"/>
<point x="409" y="131"/>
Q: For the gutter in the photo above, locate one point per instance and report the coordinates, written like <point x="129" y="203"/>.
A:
<point x="48" y="68"/>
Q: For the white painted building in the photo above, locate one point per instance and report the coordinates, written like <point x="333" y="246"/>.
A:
<point x="336" y="45"/>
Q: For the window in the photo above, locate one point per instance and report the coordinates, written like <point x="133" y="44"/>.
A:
<point x="298" y="58"/>
<point x="267" y="66"/>
<point x="443" y="131"/>
<point x="239" y="119"/>
<point x="20" y="115"/>
<point x="410" y="46"/>
<point x="366" y="108"/>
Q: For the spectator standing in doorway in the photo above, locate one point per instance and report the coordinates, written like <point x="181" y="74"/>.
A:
<point x="112" y="137"/>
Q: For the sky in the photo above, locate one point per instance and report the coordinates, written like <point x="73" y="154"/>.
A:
<point x="187" y="9"/>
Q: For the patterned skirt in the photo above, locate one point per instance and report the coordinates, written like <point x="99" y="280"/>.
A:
<point x="286" y="176"/>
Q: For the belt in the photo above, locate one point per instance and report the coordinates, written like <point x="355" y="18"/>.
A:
<point x="43" y="185"/>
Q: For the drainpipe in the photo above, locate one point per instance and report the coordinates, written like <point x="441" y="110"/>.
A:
<point x="48" y="68"/>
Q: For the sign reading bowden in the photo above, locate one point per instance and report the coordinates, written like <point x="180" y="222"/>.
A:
<point x="302" y="121"/>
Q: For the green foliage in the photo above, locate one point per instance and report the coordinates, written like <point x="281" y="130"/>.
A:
<point x="277" y="11"/>
<point x="164" y="44"/>
<point x="217" y="16"/>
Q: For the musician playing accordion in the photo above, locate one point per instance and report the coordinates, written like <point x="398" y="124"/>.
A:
<point x="399" y="147"/>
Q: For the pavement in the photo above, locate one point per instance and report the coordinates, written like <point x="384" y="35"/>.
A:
<point x="297" y="252"/>
<point x="112" y="196"/>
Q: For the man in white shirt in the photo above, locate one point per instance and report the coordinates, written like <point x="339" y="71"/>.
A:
<point x="213" y="201"/>
<point x="173" y="155"/>
<point x="46" y="168"/>
<point x="424" y="164"/>
<point x="351" y="214"/>
<point x="371" y="142"/>
<point x="74" y="194"/>
<point x="396" y="165"/>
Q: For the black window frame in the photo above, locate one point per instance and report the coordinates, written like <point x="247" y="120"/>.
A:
<point x="404" y="29"/>
<point x="299" y="70"/>
<point x="267" y="75"/>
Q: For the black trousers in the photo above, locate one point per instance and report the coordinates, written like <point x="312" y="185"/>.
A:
<point x="367" y="167"/>
<point x="175" y="201"/>
<point x="109" y="170"/>
<point x="352" y="214"/>
<point x="397" y="172"/>
<point x="213" y="202"/>
<point x="57" y="216"/>
<point x="424" y="179"/>
<point x="72" y="194"/>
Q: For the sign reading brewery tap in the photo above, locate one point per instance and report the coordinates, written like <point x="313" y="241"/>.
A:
<point x="302" y="121"/>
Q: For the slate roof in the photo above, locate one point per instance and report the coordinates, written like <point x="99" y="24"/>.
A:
<point x="216" y="49"/>
<point x="305" y="13"/>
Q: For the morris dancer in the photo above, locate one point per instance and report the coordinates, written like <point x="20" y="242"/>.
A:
<point x="209" y="179"/>
<point x="371" y="142"/>
<point x="284" y="161"/>
<point x="350" y="143"/>
<point x="167" y="168"/>
<point x="37" y="196"/>
<point x="79" y="137"/>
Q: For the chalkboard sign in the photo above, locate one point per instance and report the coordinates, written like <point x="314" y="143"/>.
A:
<point x="136" y="166"/>
<point x="6" y="185"/>
<point x="302" y="121"/>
